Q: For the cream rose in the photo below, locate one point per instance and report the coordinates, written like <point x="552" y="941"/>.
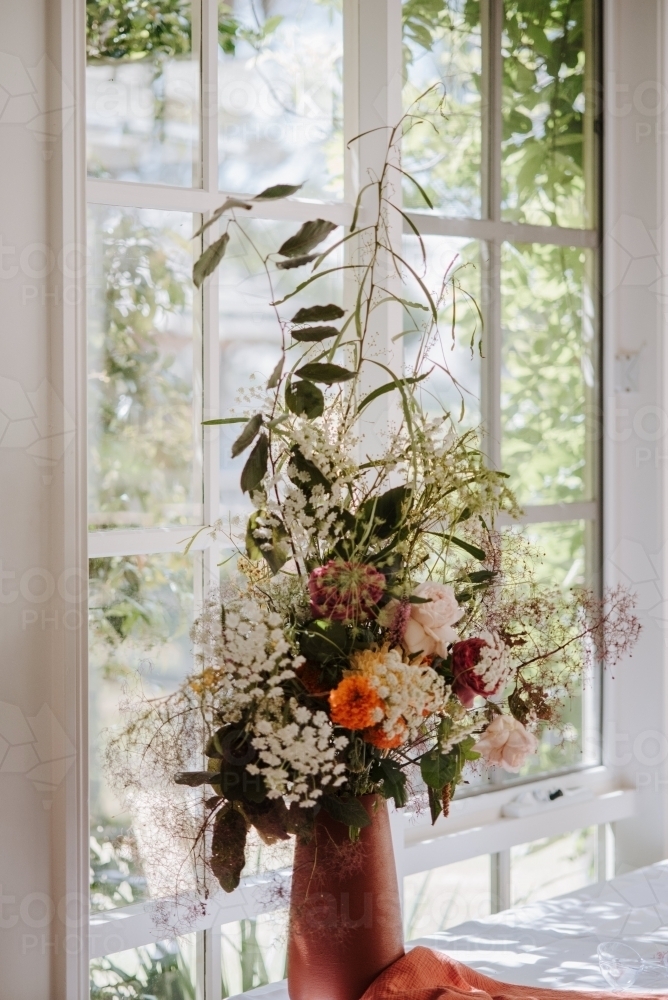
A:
<point x="506" y="743"/>
<point x="429" y="627"/>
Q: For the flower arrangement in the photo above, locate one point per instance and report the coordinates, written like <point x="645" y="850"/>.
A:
<point x="381" y="631"/>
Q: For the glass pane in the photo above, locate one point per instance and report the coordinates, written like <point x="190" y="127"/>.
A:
<point x="163" y="971"/>
<point x="548" y="155"/>
<point x="280" y="96"/>
<point x="563" y="562"/>
<point x="141" y="610"/>
<point x="143" y="379"/>
<point x="548" y="376"/>
<point x="142" y="92"/>
<point x="565" y="554"/>
<point x="254" y="952"/>
<point x="457" y="351"/>
<point x="447" y="896"/>
<point x="442" y="49"/>
<point x="553" y="866"/>
<point x="250" y="336"/>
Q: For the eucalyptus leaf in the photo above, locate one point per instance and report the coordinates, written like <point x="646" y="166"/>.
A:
<point x="472" y="550"/>
<point x="304" y="399"/>
<point x="229" y="203"/>
<point x="228" y="847"/>
<point x="306" y="238"/>
<point x="255" y="468"/>
<point x="248" y="435"/>
<point x="326" y="373"/>
<point x="275" y="376"/>
<point x="292" y="262"/>
<point x="195" y="778"/>
<point x="388" y="387"/>
<point x="278" y="191"/>
<point x="210" y="259"/>
<point x="318" y="314"/>
<point x="224" y="420"/>
<point x="347" y="810"/>
<point x="314" y="334"/>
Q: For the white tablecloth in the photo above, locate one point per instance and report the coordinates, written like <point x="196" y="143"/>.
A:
<point x="553" y="943"/>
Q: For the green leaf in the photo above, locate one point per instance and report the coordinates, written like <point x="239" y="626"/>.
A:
<point x="275" y="376"/>
<point x="472" y="550"/>
<point x="314" y="334"/>
<point x="386" y="510"/>
<point x="253" y="550"/>
<point x="292" y="262"/>
<point x="248" y="435"/>
<point x="229" y="203"/>
<point x="318" y="314"/>
<point x="255" y="468"/>
<point x="347" y="810"/>
<point x="482" y="576"/>
<point x="228" y="848"/>
<point x="304" y="399"/>
<point x="260" y="547"/>
<point x="224" y="420"/>
<point x="210" y="259"/>
<point x="278" y="191"/>
<point x="393" y="779"/>
<point x="326" y="373"/>
<point x="306" y="474"/>
<point x="388" y="387"/>
<point x="306" y="238"/>
<point x="438" y="769"/>
<point x="195" y="778"/>
<point x="323" y="640"/>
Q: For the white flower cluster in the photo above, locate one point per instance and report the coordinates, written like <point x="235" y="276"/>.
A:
<point x="494" y="666"/>
<point x="295" y="754"/>
<point x="297" y="750"/>
<point x="410" y="693"/>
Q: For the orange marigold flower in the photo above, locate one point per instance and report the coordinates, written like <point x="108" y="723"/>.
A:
<point x="355" y="704"/>
<point x="379" y="738"/>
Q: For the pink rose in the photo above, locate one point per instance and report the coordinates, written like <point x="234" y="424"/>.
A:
<point x="506" y="743"/>
<point x="429" y="628"/>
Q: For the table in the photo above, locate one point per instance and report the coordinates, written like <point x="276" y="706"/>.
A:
<point x="552" y="943"/>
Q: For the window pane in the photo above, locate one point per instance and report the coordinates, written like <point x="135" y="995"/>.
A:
<point x="141" y="610"/>
<point x="548" y="377"/>
<point x="553" y="866"/>
<point x="142" y="92"/>
<point x="161" y="971"/>
<point x="250" y="337"/>
<point x="254" y="952"/>
<point x="447" y="896"/>
<point x="280" y="96"/>
<point x="457" y="351"/>
<point x="442" y="49"/>
<point x="144" y="361"/>
<point x="548" y="115"/>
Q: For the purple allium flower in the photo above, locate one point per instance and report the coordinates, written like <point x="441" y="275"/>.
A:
<point x="345" y="591"/>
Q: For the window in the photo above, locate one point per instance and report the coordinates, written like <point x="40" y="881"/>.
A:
<point x="209" y="99"/>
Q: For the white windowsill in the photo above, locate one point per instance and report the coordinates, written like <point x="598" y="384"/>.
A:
<point x="474" y="827"/>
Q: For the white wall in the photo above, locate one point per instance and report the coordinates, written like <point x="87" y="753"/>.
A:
<point x="41" y="756"/>
<point x="635" y="439"/>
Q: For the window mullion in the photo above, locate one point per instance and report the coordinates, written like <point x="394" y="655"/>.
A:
<point x="209" y="96"/>
<point x="492" y="27"/>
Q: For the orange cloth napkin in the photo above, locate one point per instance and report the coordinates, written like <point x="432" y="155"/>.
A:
<point x="424" y="974"/>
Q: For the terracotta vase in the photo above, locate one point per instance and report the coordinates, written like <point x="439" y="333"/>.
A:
<point x="345" y="914"/>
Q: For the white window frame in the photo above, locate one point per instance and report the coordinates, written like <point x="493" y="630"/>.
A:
<point x="373" y="97"/>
